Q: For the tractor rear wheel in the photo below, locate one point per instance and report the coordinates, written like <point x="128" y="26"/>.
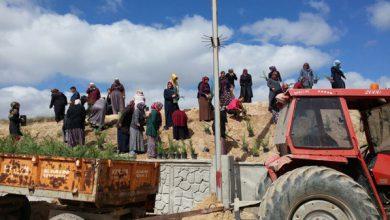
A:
<point x="313" y="192"/>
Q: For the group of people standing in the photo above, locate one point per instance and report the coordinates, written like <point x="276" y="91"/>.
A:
<point x="134" y="117"/>
<point x="306" y="80"/>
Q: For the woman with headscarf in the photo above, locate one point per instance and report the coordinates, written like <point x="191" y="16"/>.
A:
<point x="204" y="99"/>
<point x="275" y="88"/>
<point x="307" y="77"/>
<point x="273" y="69"/>
<point x="169" y="104"/>
<point x="231" y="76"/>
<point x="59" y="101"/>
<point x="180" y="127"/>
<point x="225" y="90"/>
<point x="337" y="76"/>
<point x="139" y="97"/>
<point x="98" y="113"/>
<point x="117" y="94"/>
<point x="153" y="125"/>
<point x="75" y="124"/>
<point x="123" y="128"/>
<point x="14" y="121"/>
<point x="246" y="86"/>
<point x="137" y="129"/>
<point x="93" y="94"/>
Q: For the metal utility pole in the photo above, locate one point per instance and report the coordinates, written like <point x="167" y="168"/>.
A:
<point x="217" y="118"/>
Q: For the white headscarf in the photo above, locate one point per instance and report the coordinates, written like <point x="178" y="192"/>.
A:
<point x="77" y="102"/>
<point x="336" y="62"/>
<point x="139" y="97"/>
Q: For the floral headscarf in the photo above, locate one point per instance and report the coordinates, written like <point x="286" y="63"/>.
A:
<point x="157" y="106"/>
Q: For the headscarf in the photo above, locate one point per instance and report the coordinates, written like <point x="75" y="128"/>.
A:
<point x="139" y="97"/>
<point x="272" y="68"/>
<point x="169" y="83"/>
<point x="14" y="104"/>
<point x="157" y="106"/>
<point x="337" y="63"/>
<point x="230" y="71"/>
<point x="245" y="72"/>
<point x="77" y="102"/>
<point x="306" y="64"/>
<point x="204" y="79"/>
<point x="54" y="91"/>
<point x="139" y="92"/>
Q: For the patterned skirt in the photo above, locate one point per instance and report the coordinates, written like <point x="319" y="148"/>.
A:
<point x="75" y="136"/>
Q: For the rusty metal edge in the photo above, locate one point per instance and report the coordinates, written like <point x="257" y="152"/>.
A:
<point x="47" y="193"/>
<point x="185" y="214"/>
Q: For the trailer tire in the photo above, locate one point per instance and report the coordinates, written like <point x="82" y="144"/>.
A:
<point x="24" y="211"/>
<point x="313" y="191"/>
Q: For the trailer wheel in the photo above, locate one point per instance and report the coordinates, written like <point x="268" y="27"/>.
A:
<point x="20" y="207"/>
<point x="314" y="192"/>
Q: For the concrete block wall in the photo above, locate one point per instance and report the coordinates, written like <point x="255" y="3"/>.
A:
<point x="183" y="184"/>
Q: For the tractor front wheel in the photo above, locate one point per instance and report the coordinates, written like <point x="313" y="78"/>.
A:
<point x="314" y="192"/>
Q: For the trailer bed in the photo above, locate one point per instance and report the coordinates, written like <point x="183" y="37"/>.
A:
<point x="99" y="181"/>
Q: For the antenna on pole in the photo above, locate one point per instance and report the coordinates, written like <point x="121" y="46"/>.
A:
<point x="217" y="135"/>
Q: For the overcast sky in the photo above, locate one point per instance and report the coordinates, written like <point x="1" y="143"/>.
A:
<point x="48" y="44"/>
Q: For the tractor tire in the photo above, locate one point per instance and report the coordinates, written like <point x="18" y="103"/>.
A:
<point x="314" y="192"/>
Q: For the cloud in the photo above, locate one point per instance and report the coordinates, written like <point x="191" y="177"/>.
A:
<point x="310" y="29"/>
<point x="320" y="6"/>
<point x="39" y="45"/>
<point x="33" y="102"/>
<point x="36" y="45"/>
<point x="379" y="14"/>
<point x="111" y="6"/>
<point x="356" y="80"/>
<point x="76" y="11"/>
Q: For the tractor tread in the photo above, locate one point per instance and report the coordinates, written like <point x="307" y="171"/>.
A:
<point x="279" y="199"/>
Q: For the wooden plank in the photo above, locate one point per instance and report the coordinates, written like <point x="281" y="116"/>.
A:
<point x="181" y="215"/>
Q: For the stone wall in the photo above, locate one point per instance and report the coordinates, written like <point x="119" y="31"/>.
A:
<point x="183" y="184"/>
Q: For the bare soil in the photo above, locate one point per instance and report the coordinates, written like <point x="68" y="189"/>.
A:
<point x="257" y="115"/>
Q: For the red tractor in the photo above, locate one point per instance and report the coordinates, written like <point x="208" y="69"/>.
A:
<point x="323" y="172"/>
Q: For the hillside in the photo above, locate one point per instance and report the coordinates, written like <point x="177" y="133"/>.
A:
<point x="258" y="117"/>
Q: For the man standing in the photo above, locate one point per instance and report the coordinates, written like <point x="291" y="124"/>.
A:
<point x="75" y="94"/>
<point x="59" y="101"/>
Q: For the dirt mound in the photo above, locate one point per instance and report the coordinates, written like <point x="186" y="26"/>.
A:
<point x="201" y="133"/>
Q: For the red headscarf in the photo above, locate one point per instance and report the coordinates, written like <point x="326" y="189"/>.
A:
<point x="204" y="79"/>
<point x="245" y="72"/>
<point x="157" y="106"/>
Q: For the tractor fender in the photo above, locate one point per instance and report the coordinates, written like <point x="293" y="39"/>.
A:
<point x="276" y="163"/>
